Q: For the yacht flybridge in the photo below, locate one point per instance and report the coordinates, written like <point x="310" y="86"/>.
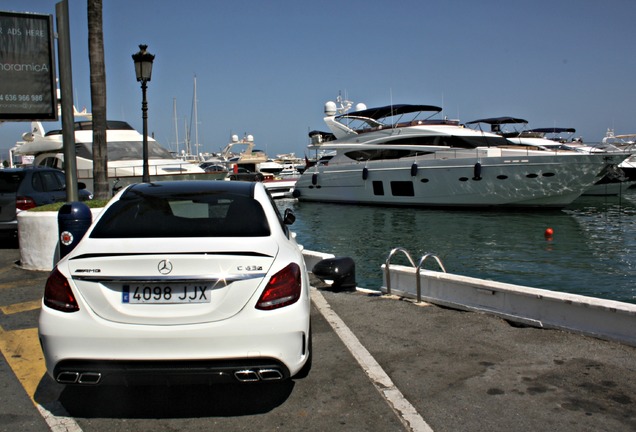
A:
<point x="401" y="155"/>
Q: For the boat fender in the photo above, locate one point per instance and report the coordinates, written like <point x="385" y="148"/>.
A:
<point x="365" y="173"/>
<point x="413" y="169"/>
<point x="314" y="179"/>
<point x="477" y="171"/>
<point x="340" y="272"/>
<point x="296" y="193"/>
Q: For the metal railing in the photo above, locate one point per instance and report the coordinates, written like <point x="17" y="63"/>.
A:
<point x="387" y="268"/>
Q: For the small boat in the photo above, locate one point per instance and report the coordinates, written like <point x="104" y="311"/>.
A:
<point x="402" y="155"/>
<point x="243" y="161"/>
<point x="246" y="163"/>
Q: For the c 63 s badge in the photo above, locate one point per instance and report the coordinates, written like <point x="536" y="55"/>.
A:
<point x="250" y="268"/>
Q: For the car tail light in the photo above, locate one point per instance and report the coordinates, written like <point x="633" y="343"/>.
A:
<point x="24" y="203"/>
<point x="282" y="289"/>
<point x="58" y="294"/>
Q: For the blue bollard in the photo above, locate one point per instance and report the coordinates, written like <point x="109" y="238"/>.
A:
<point x="73" y="220"/>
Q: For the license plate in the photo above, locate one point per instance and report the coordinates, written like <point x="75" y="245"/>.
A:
<point x="166" y="294"/>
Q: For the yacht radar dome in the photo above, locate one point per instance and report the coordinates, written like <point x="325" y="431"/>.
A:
<point x="360" y="107"/>
<point x="250" y="138"/>
<point x="234" y="138"/>
<point x="330" y="108"/>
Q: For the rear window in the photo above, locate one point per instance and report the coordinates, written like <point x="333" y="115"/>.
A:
<point x="9" y="181"/>
<point x="210" y="215"/>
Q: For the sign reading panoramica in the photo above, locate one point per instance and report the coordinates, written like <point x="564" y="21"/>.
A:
<point x="27" y="67"/>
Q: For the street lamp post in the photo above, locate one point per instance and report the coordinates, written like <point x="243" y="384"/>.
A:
<point x="143" y="69"/>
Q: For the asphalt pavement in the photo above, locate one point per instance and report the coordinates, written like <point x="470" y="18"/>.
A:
<point x="458" y="371"/>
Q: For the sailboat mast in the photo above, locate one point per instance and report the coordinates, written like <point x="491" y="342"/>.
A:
<point x="176" y="128"/>
<point x="196" y="118"/>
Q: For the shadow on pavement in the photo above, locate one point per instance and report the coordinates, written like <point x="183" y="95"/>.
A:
<point x="163" y="402"/>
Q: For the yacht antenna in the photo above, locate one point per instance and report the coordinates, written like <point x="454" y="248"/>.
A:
<point x="391" y="101"/>
<point x="343" y="105"/>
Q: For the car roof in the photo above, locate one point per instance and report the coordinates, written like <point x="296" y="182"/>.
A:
<point x="163" y="188"/>
<point x="29" y="168"/>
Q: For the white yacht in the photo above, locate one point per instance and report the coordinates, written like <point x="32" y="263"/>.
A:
<point x="125" y="160"/>
<point x="399" y="155"/>
<point x="625" y="142"/>
<point x="615" y="179"/>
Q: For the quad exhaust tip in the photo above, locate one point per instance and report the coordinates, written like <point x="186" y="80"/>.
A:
<point x="86" y="378"/>
<point x="251" y="375"/>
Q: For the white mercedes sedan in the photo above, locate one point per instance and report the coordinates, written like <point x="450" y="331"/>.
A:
<point x="175" y="280"/>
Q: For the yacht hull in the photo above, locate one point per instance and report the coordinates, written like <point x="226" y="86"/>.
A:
<point x="515" y="180"/>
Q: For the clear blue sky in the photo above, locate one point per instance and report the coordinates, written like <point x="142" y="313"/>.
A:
<point x="266" y="68"/>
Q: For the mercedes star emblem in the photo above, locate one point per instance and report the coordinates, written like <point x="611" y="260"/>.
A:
<point x="164" y="267"/>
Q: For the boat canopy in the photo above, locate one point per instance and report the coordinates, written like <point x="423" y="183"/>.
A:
<point x="553" y="130"/>
<point x="391" y="110"/>
<point x="499" y="121"/>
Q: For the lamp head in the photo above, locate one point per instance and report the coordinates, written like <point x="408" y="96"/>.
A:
<point x="143" y="64"/>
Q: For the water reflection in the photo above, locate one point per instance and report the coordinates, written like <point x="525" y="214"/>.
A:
<point x="591" y="252"/>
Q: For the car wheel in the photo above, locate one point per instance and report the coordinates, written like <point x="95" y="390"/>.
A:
<point x="304" y="371"/>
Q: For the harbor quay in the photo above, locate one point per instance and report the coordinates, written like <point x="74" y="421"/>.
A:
<point x="381" y="363"/>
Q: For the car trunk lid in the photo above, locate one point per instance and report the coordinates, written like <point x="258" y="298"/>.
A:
<point x="172" y="287"/>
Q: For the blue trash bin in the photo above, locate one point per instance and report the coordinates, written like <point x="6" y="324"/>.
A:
<point x="73" y="220"/>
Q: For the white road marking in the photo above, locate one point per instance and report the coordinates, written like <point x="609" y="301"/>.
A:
<point x="59" y="423"/>
<point x="406" y="412"/>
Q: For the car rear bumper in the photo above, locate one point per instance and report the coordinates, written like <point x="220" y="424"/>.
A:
<point x="184" y="372"/>
<point x="271" y="345"/>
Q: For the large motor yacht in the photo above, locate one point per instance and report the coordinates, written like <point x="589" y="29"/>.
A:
<point x="401" y="155"/>
<point x="125" y="160"/>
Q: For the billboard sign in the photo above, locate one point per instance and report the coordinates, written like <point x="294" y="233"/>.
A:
<point x="27" y="67"/>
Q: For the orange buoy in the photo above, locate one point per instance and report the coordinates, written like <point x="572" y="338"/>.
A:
<point x="549" y="232"/>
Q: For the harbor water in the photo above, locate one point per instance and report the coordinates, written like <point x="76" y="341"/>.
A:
<point x="591" y="252"/>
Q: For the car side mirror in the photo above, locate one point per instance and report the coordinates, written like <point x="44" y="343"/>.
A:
<point x="289" y="217"/>
<point x="81" y="185"/>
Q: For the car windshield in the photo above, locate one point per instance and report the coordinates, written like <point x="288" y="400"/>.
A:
<point x="9" y="181"/>
<point x="137" y="215"/>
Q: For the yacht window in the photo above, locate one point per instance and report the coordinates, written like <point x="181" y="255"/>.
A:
<point x="468" y="142"/>
<point x="378" y="187"/>
<point x="53" y="162"/>
<point x="402" y="188"/>
<point x="125" y="150"/>
<point x="380" y="154"/>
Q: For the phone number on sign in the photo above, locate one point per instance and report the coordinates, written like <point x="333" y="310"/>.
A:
<point x="21" y="98"/>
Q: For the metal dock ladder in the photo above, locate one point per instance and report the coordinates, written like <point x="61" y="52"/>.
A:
<point x="387" y="268"/>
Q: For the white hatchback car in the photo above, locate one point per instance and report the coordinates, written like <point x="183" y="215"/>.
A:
<point x="177" y="279"/>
